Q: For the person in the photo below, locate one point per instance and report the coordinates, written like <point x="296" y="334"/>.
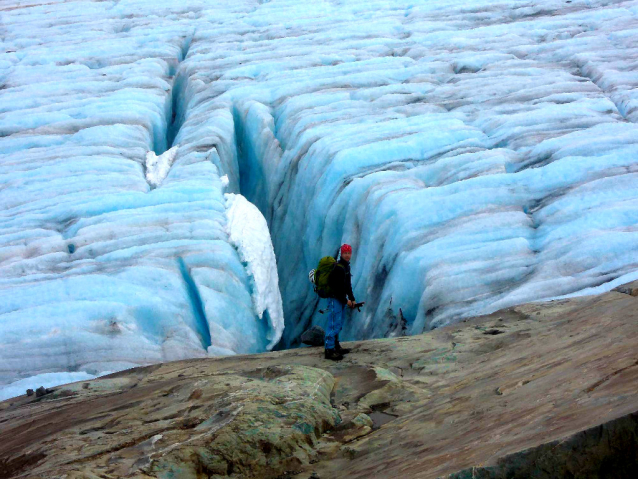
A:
<point x="341" y="296"/>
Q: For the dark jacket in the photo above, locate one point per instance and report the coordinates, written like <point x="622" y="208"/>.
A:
<point x="340" y="281"/>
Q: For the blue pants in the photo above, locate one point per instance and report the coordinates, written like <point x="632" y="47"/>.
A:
<point x="336" y="312"/>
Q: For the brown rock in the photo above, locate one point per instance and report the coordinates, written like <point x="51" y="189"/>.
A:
<point x="552" y="395"/>
<point x="196" y="394"/>
<point x="631" y="289"/>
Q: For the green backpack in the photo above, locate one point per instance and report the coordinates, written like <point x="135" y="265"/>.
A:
<point x="321" y="275"/>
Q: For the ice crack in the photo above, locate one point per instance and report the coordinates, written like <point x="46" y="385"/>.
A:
<point x="196" y="303"/>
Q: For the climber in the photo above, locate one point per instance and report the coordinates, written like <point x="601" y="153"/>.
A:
<point x="340" y="296"/>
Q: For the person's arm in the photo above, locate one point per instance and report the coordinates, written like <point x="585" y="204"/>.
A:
<point x="349" y="287"/>
<point x="337" y="281"/>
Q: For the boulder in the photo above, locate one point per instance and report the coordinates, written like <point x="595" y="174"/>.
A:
<point x="314" y="336"/>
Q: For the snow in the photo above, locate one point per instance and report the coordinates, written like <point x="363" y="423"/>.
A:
<point x="476" y="154"/>
<point x="248" y="232"/>
<point x="47" y="380"/>
<point x="157" y="167"/>
<point x="628" y="278"/>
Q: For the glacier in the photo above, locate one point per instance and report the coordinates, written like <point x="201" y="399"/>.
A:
<point x="476" y="154"/>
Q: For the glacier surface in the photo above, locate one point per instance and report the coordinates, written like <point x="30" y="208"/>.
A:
<point x="475" y="154"/>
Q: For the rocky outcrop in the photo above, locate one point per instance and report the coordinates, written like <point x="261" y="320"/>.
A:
<point x="178" y="422"/>
<point x="608" y="451"/>
<point x="630" y="289"/>
<point x="540" y="390"/>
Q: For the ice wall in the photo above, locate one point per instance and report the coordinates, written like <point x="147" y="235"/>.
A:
<point x="476" y="155"/>
<point x="108" y="260"/>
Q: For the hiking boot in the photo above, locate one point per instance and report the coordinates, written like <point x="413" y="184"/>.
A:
<point x="332" y="355"/>
<point x="341" y="350"/>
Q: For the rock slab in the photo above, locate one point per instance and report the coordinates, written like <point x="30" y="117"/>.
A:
<point x="543" y="390"/>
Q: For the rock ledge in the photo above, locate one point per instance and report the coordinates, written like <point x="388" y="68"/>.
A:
<point x="543" y="390"/>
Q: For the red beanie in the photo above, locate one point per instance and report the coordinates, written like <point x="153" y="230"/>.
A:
<point x="346" y="248"/>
